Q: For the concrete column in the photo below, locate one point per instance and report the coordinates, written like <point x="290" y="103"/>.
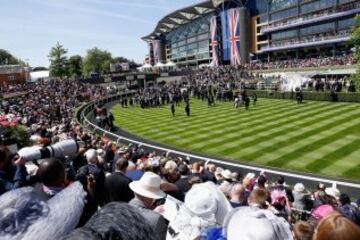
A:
<point x="244" y="24"/>
<point x="159" y="51"/>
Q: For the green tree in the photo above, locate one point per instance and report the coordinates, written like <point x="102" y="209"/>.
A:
<point x="7" y="58"/>
<point x="356" y="40"/>
<point x="75" y="66"/>
<point x="97" y="60"/>
<point x="58" y="61"/>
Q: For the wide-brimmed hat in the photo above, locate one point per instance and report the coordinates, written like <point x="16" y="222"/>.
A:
<point x="27" y="216"/>
<point x="206" y="199"/>
<point x="170" y="165"/>
<point x="204" y="207"/>
<point x="334" y="192"/>
<point x="122" y="150"/>
<point x="299" y="187"/>
<point x="148" y="186"/>
<point x="226" y="174"/>
<point x="253" y="219"/>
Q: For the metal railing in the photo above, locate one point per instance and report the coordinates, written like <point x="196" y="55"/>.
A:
<point x="89" y="107"/>
<point x="307" y="42"/>
<point x="301" y="21"/>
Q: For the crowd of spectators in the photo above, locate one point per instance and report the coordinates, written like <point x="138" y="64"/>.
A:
<point x="304" y="63"/>
<point x="204" y="83"/>
<point x="106" y="190"/>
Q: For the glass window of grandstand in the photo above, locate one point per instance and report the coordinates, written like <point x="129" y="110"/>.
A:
<point x="317" y="5"/>
<point x="204" y="43"/>
<point x="345" y="1"/>
<point x="322" y="28"/>
<point x="263" y="18"/>
<point x="291" y="34"/>
<point x="203" y="56"/>
<point x="192" y="46"/>
<point x="181" y="43"/>
<point x="262" y="6"/>
<point x="280" y="4"/>
<point x="203" y="36"/>
<point x="346" y="23"/>
<point x="284" y="14"/>
<point x="175" y="50"/>
<point x="182" y="49"/>
<point x="204" y="28"/>
<point x="191" y="40"/>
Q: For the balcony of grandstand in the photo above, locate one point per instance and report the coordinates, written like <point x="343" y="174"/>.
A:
<point x="313" y="17"/>
<point x="301" y="28"/>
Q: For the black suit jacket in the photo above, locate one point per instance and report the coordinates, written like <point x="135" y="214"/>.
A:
<point x="117" y="188"/>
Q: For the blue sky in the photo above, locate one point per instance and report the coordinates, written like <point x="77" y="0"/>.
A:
<point x="29" y="28"/>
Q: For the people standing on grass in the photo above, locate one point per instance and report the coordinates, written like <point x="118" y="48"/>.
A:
<point x="173" y="109"/>
<point x="299" y="96"/>
<point x="110" y="119"/>
<point x="254" y="99"/>
<point x="187" y="108"/>
<point x="240" y="100"/>
<point x="236" y="102"/>
<point x="247" y="103"/>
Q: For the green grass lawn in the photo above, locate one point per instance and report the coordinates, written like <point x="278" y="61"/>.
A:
<point x="317" y="137"/>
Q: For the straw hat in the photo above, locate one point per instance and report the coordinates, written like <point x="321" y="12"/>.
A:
<point x="148" y="186"/>
<point x="170" y="165"/>
<point x="299" y="187"/>
<point x="226" y="174"/>
<point x="334" y="192"/>
<point x="204" y="207"/>
<point x="255" y="224"/>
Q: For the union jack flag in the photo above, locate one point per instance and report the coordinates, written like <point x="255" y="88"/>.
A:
<point x="156" y="48"/>
<point x="234" y="30"/>
<point x="151" y="53"/>
<point x="214" y="41"/>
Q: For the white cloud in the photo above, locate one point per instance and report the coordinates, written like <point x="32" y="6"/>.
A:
<point x="132" y="4"/>
<point x="93" y="11"/>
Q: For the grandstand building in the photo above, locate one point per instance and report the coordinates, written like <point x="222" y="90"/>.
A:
<point x="238" y="31"/>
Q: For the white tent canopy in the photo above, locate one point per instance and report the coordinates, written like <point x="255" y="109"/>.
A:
<point x="147" y="65"/>
<point x="35" y="76"/>
<point x="170" y="64"/>
<point x="160" y="65"/>
<point x="204" y="65"/>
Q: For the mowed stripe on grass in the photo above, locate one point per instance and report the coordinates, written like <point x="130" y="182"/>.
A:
<point x="316" y="137"/>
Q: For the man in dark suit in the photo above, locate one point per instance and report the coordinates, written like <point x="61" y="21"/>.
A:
<point x="117" y="184"/>
<point x="187" y="108"/>
<point x="247" y="103"/>
<point x="173" y="109"/>
<point x="183" y="184"/>
<point x="52" y="178"/>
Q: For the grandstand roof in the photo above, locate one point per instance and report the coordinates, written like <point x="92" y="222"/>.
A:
<point x="11" y="69"/>
<point x="182" y="16"/>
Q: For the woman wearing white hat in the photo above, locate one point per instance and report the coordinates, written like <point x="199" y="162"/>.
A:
<point x="249" y="223"/>
<point x="301" y="197"/>
<point x="147" y="191"/>
<point x="205" y="206"/>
